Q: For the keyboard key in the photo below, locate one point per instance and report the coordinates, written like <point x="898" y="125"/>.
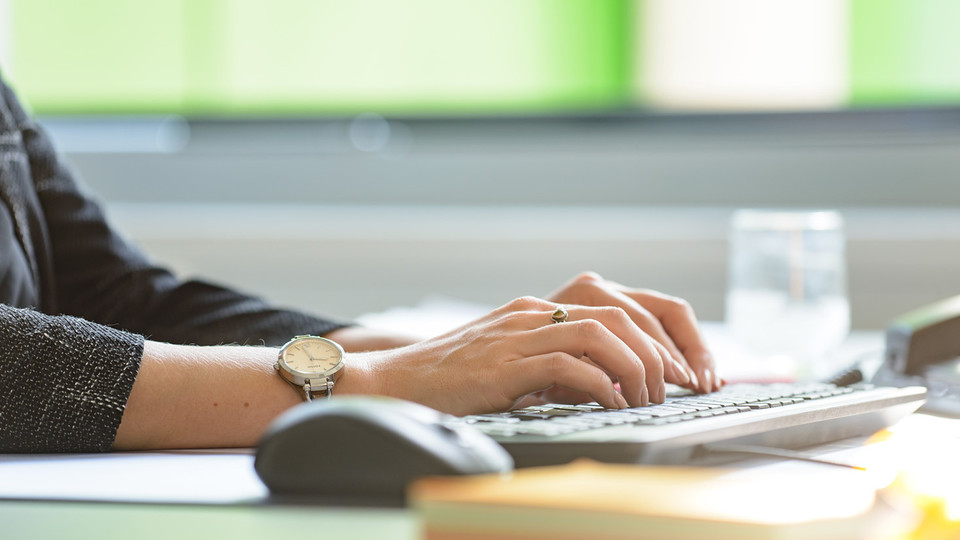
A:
<point x="532" y="415"/>
<point x="490" y="419"/>
<point x="661" y="410"/>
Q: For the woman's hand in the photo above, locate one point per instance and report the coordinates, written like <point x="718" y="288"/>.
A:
<point x="615" y="350"/>
<point x="517" y="352"/>
<point x="670" y="321"/>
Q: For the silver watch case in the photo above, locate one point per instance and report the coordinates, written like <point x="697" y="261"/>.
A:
<point x="309" y="381"/>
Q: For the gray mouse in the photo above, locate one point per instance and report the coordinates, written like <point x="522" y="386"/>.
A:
<point x="366" y="449"/>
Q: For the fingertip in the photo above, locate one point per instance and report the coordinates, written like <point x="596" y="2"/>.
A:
<point x="709" y="381"/>
<point x="705" y="381"/>
<point x="620" y="400"/>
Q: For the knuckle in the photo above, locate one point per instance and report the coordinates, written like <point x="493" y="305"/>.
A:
<point x="656" y="364"/>
<point x="653" y="345"/>
<point x="556" y="363"/>
<point x="591" y="329"/>
<point x="523" y="303"/>
<point x="641" y="368"/>
<point x="617" y="314"/>
<point x="680" y="305"/>
<point x="598" y="380"/>
<point x="587" y="277"/>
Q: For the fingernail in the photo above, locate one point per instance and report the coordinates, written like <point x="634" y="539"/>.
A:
<point x="708" y="381"/>
<point x="621" y="401"/>
<point x="645" y="397"/>
<point x="694" y="380"/>
<point x="680" y="371"/>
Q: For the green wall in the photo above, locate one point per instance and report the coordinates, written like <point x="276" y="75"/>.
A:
<point x="307" y="56"/>
<point x="278" y="57"/>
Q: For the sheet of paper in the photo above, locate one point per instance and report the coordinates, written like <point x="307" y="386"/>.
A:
<point x="194" y="477"/>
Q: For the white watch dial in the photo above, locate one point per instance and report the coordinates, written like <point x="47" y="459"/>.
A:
<point x="312" y="356"/>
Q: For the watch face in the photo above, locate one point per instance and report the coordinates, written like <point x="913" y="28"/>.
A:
<point x="312" y="356"/>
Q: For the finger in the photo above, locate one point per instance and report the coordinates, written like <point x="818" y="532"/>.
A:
<point x="616" y="320"/>
<point x="656" y="360"/>
<point x="560" y="394"/>
<point x="590" y="337"/>
<point x="673" y="372"/>
<point x="537" y="373"/>
<point x="529" y="401"/>
<point x="677" y="318"/>
<point x="613" y="378"/>
<point x="593" y="290"/>
<point x="651" y="324"/>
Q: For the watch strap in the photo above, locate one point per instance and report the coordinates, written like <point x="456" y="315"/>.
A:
<point x="322" y="391"/>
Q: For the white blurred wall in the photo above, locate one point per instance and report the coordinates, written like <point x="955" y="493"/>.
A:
<point x="488" y="210"/>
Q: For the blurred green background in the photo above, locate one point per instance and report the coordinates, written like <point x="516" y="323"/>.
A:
<point x="430" y="57"/>
<point x="302" y="56"/>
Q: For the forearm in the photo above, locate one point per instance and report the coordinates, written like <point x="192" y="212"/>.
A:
<point x="202" y="397"/>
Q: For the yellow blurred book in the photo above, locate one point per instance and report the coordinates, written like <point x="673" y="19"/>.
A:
<point x="588" y="500"/>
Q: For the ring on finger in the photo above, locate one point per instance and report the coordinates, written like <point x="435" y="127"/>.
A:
<point x="560" y="315"/>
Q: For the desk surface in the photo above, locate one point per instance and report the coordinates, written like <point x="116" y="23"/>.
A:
<point x="180" y="494"/>
<point x="22" y="520"/>
<point x="217" y="494"/>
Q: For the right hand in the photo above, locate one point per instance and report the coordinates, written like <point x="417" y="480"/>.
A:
<point x="517" y="353"/>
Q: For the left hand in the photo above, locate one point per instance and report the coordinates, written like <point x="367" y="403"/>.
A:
<point x="669" y="320"/>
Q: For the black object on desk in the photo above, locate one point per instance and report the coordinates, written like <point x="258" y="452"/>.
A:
<point x="366" y="449"/>
<point x="923" y="348"/>
<point x="924" y="337"/>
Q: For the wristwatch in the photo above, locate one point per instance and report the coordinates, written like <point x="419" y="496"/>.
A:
<point x="312" y="364"/>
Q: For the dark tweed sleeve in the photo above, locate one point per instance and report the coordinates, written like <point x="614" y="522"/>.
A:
<point x="53" y="396"/>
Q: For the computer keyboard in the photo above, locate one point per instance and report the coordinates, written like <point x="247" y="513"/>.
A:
<point x="781" y="415"/>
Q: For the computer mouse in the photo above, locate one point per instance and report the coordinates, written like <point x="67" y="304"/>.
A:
<point x="366" y="449"/>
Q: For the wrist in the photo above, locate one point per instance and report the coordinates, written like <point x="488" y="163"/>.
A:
<point x="360" y="339"/>
<point x="356" y="376"/>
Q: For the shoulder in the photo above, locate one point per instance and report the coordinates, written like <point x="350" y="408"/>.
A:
<point x="14" y="113"/>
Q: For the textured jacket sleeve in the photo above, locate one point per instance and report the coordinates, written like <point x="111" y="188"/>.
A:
<point x="63" y="382"/>
<point x="99" y="276"/>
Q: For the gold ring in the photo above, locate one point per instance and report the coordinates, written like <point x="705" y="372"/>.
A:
<point x="560" y="315"/>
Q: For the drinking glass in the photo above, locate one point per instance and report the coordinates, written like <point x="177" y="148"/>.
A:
<point x="787" y="293"/>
